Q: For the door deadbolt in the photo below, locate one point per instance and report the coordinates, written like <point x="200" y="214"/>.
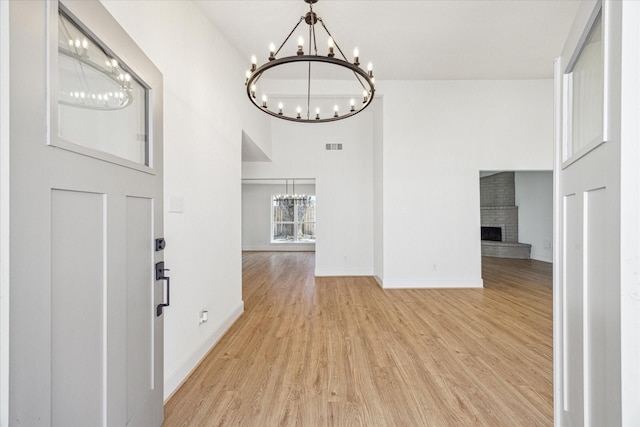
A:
<point x="160" y="244"/>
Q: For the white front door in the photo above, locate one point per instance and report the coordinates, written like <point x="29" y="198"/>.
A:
<point x="588" y="207"/>
<point x="86" y="206"/>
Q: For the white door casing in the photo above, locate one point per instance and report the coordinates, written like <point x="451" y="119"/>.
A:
<point x="85" y="341"/>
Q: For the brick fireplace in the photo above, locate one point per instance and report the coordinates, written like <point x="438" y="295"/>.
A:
<point x="498" y="211"/>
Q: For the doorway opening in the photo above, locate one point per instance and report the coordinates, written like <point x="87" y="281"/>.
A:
<point x="279" y="214"/>
<point x="516" y="214"/>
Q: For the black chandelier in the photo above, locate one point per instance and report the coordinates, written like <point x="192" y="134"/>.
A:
<point x="361" y="89"/>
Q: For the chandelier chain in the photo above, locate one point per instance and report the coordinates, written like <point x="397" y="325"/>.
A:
<point x="312" y="29"/>
<point x="309" y="68"/>
<point x="309" y="92"/>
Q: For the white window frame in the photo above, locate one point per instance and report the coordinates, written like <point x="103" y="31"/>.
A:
<point x="295" y="224"/>
<point x="569" y="154"/>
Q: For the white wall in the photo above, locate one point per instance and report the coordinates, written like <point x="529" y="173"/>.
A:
<point x="426" y="148"/>
<point x="344" y="200"/>
<point x="256" y="216"/>
<point x="437" y="136"/>
<point x="204" y="115"/>
<point x="534" y="198"/>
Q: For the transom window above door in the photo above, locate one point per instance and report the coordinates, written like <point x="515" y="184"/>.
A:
<point x="101" y="104"/>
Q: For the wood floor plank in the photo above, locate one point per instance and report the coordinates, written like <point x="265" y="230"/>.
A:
<point x="341" y="351"/>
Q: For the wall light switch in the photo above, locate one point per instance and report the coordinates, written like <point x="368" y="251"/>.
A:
<point x="176" y="204"/>
<point x="204" y="316"/>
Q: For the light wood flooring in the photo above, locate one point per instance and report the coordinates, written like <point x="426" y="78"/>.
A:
<point x="343" y="352"/>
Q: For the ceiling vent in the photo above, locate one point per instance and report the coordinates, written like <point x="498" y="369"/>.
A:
<point x="333" y="147"/>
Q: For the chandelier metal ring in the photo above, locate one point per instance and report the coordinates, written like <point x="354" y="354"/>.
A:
<point x="309" y="58"/>
<point x="363" y="79"/>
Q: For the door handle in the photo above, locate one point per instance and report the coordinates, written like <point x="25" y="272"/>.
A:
<point x="160" y="276"/>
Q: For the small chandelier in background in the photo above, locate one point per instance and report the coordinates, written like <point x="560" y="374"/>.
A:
<point x="311" y="112"/>
<point x="291" y="199"/>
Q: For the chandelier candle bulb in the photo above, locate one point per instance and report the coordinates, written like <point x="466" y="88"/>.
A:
<point x="298" y="111"/>
<point x="272" y="52"/>
<point x="264" y="101"/>
<point x="254" y="62"/>
<point x="365" y="95"/>
<point x="280" y="108"/>
<point x="353" y="104"/>
<point x="330" y="43"/>
<point x="317" y="114"/>
<point x="370" y="69"/>
<point x="356" y="56"/>
<point x="253" y="91"/>
<point x="300" y="45"/>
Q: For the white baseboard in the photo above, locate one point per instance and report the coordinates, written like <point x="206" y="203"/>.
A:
<point x="411" y="284"/>
<point x="429" y="284"/>
<point x="542" y="257"/>
<point x="341" y="272"/>
<point x="379" y="280"/>
<point x="174" y="380"/>
<point x="281" y="248"/>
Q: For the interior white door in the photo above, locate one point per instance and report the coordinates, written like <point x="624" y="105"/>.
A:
<point x="587" y="275"/>
<point x="86" y="342"/>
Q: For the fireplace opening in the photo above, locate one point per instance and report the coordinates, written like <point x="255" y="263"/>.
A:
<point x="491" y="233"/>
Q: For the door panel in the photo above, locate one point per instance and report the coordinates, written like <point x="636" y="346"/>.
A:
<point x="140" y="298"/>
<point x="572" y="321"/>
<point x="77" y="307"/>
<point x="595" y="309"/>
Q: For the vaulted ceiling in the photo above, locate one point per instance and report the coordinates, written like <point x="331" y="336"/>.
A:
<point x="417" y="39"/>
